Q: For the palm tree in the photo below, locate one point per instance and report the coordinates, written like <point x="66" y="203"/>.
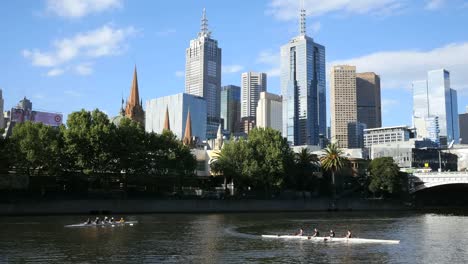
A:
<point x="306" y="164"/>
<point x="332" y="160"/>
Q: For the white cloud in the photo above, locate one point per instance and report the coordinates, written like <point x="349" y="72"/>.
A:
<point x="289" y="9"/>
<point x="72" y="93"/>
<point x="180" y="74"/>
<point x="55" y="72"/>
<point x="166" y="32"/>
<point x="316" y="27"/>
<point x="104" y="41"/>
<point x="397" y="69"/>
<point x="434" y="4"/>
<point x="80" y="8"/>
<point x="271" y="60"/>
<point x="84" y="69"/>
<point x="232" y="68"/>
<point x="387" y="104"/>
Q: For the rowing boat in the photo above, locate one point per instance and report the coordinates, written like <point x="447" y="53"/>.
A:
<point x="130" y="223"/>
<point x="334" y="239"/>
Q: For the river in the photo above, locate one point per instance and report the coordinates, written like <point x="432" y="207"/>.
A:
<point x="234" y="238"/>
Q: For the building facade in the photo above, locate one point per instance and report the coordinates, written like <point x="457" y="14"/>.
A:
<point x="203" y="74"/>
<point x="231" y="108"/>
<point x="177" y="107"/>
<point x="253" y="83"/>
<point x="369" y="108"/>
<point x="463" y="124"/>
<point x="269" y="111"/>
<point x="384" y="135"/>
<point x="434" y="98"/>
<point x="134" y="106"/>
<point x="2" y="119"/>
<point x="343" y="106"/>
<point x="303" y="89"/>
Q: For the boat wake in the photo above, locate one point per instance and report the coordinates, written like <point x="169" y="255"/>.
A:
<point x="233" y="232"/>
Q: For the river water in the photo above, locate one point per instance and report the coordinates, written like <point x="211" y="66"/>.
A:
<point x="234" y="238"/>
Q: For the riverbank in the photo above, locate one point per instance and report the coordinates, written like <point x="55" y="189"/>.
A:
<point x="192" y="206"/>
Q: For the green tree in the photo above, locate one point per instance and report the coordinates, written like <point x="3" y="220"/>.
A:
<point x="4" y="155"/>
<point x="332" y="160"/>
<point x="36" y="149"/>
<point x="307" y="165"/>
<point x="384" y="176"/>
<point x="268" y="155"/>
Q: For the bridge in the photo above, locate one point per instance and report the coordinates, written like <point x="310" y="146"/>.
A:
<point x="423" y="180"/>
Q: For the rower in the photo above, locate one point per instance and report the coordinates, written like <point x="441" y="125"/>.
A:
<point x="105" y="220"/>
<point x="88" y="222"/>
<point x="316" y="233"/>
<point x="121" y="220"/>
<point x="332" y="233"/>
<point x="300" y="232"/>
<point x="348" y="235"/>
<point x="96" y="221"/>
<point x="112" y="220"/>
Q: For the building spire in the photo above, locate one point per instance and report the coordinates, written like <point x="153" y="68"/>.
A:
<point x="204" y="32"/>
<point x="188" y="131"/>
<point x="302" y="20"/>
<point x="166" y="120"/>
<point x="134" y="94"/>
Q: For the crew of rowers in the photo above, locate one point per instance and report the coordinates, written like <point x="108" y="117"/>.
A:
<point x="317" y="233"/>
<point x="106" y="220"/>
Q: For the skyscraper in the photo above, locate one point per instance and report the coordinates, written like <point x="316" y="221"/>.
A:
<point x="463" y="123"/>
<point x="269" y="111"/>
<point x="134" y="108"/>
<point x="231" y="107"/>
<point x="435" y="98"/>
<point x="203" y="74"/>
<point x="344" y="122"/>
<point x="253" y="83"/>
<point x="2" y="119"/>
<point x="369" y="109"/>
<point x="303" y="88"/>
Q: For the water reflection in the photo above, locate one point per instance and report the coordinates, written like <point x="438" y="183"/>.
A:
<point x="234" y="238"/>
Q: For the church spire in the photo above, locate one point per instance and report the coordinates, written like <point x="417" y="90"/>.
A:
<point x="166" y="120"/>
<point x="134" y="94"/>
<point x="204" y="32"/>
<point x="188" y="131"/>
<point x="302" y="20"/>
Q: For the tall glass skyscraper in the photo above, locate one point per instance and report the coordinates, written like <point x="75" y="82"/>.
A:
<point x="203" y="74"/>
<point x="303" y="89"/>
<point x="435" y="98"/>
<point x="231" y="107"/>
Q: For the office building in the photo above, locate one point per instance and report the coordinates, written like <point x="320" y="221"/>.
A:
<point x="203" y="74"/>
<point x="343" y="106"/>
<point x="384" y="135"/>
<point x="433" y="98"/>
<point x="171" y="112"/>
<point x="463" y="123"/>
<point x="231" y="108"/>
<point x="369" y="108"/>
<point x="303" y="88"/>
<point x="269" y="111"/>
<point x="253" y="83"/>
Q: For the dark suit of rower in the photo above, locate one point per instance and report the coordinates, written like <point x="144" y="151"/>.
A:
<point x="316" y="233"/>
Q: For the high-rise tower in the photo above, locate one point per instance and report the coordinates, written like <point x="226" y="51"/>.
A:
<point x="203" y="74"/>
<point x="303" y="88"/>
<point x="134" y="109"/>
<point x="435" y="105"/>
<point x="253" y="83"/>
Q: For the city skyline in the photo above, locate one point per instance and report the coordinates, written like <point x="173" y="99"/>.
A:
<point x="96" y="75"/>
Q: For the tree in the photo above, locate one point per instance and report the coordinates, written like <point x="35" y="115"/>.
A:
<point x="36" y="149"/>
<point x="384" y="175"/>
<point x="306" y="166"/>
<point x="4" y="157"/>
<point x="332" y="160"/>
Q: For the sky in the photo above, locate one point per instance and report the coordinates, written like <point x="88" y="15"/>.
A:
<point x="65" y="55"/>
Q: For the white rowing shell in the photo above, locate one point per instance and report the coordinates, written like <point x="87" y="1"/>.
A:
<point x="334" y="239"/>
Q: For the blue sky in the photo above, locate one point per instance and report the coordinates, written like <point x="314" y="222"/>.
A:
<point x="70" y="54"/>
